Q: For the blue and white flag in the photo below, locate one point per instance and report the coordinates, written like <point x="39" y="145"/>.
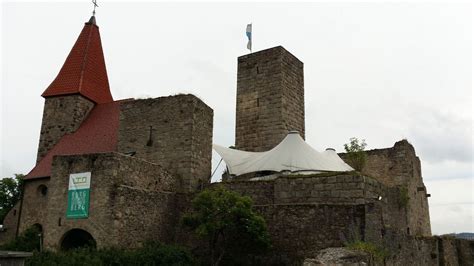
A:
<point x="249" y="35"/>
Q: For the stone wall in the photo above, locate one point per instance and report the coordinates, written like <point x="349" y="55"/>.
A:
<point x="337" y="189"/>
<point x="144" y="202"/>
<point x="455" y="251"/>
<point x="141" y="215"/>
<point x="35" y="203"/>
<point x="61" y="115"/>
<point x="100" y="221"/>
<point x="270" y="99"/>
<point x="116" y="182"/>
<point x="400" y="167"/>
<point x="410" y="250"/>
<point x="299" y="231"/>
<point x="175" y="132"/>
<point x="307" y="213"/>
<point x="10" y="222"/>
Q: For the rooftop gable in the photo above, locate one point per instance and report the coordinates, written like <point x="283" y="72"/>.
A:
<point x="84" y="70"/>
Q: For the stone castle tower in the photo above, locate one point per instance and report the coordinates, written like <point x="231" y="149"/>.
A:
<point x="81" y="83"/>
<point x="270" y="99"/>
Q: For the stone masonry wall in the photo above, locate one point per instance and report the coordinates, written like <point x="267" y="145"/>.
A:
<point x="100" y="221"/>
<point x="400" y="167"/>
<point x="61" y="115"/>
<point x="10" y="223"/>
<point x="175" y="132"/>
<point x="35" y="203"/>
<point x="270" y="99"/>
<point x="307" y="213"/>
<point x="339" y="189"/>
<point x="141" y="215"/>
<point x="299" y="231"/>
<point x="410" y="250"/>
<point x="113" y="177"/>
<point x="143" y="202"/>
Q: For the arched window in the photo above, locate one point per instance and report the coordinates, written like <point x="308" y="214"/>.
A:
<point x="42" y="190"/>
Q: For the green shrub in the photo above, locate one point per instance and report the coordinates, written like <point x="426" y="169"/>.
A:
<point x="152" y="254"/>
<point x="356" y="155"/>
<point x="29" y="241"/>
<point x="227" y="221"/>
<point x="378" y="253"/>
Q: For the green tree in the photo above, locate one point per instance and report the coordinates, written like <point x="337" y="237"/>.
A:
<point x="356" y="155"/>
<point x="10" y="192"/>
<point x="29" y="240"/>
<point x="229" y="224"/>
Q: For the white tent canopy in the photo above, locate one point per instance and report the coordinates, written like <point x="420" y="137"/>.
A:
<point x="292" y="154"/>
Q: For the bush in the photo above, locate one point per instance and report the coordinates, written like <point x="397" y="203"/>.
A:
<point x="10" y="193"/>
<point x="377" y="253"/>
<point x="356" y="155"/>
<point x="28" y="241"/>
<point x="230" y="226"/>
<point x="152" y="253"/>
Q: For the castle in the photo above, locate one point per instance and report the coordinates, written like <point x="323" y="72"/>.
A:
<point x="121" y="172"/>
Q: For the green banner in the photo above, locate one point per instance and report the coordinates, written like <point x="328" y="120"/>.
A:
<point x="78" y="196"/>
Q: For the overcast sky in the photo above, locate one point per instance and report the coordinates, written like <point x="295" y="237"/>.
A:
<point x="378" y="71"/>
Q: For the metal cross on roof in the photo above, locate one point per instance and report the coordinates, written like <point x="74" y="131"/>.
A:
<point x="95" y="5"/>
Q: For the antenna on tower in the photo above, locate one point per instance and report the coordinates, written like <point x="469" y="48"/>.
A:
<point x="95" y="5"/>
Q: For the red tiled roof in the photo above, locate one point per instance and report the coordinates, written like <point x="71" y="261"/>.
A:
<point x="97" y="134"/>
<point x="84" y="70"/>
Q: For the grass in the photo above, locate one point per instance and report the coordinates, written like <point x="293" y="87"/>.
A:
<point x="379" y="254"/>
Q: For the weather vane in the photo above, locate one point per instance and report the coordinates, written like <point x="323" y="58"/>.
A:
<point x="95" y="5"/>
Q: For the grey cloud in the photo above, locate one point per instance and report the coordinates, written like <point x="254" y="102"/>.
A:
<point x="441" y="136"/>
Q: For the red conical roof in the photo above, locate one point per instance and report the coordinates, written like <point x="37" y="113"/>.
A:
<point x="84" y="71"/>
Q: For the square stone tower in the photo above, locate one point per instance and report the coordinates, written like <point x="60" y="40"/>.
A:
<point x="270" y="99"/>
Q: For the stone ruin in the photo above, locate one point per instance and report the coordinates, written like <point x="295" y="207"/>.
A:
<point x="147" y="158"/>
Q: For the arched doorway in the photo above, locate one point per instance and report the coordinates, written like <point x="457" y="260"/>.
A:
<point x="77" y="238"/>
<point x="39" y="229"/>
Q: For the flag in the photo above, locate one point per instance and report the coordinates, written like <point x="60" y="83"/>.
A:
<point x="249" y="35"/>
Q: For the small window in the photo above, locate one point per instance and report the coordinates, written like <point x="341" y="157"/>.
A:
<point x="42" y="190"/>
